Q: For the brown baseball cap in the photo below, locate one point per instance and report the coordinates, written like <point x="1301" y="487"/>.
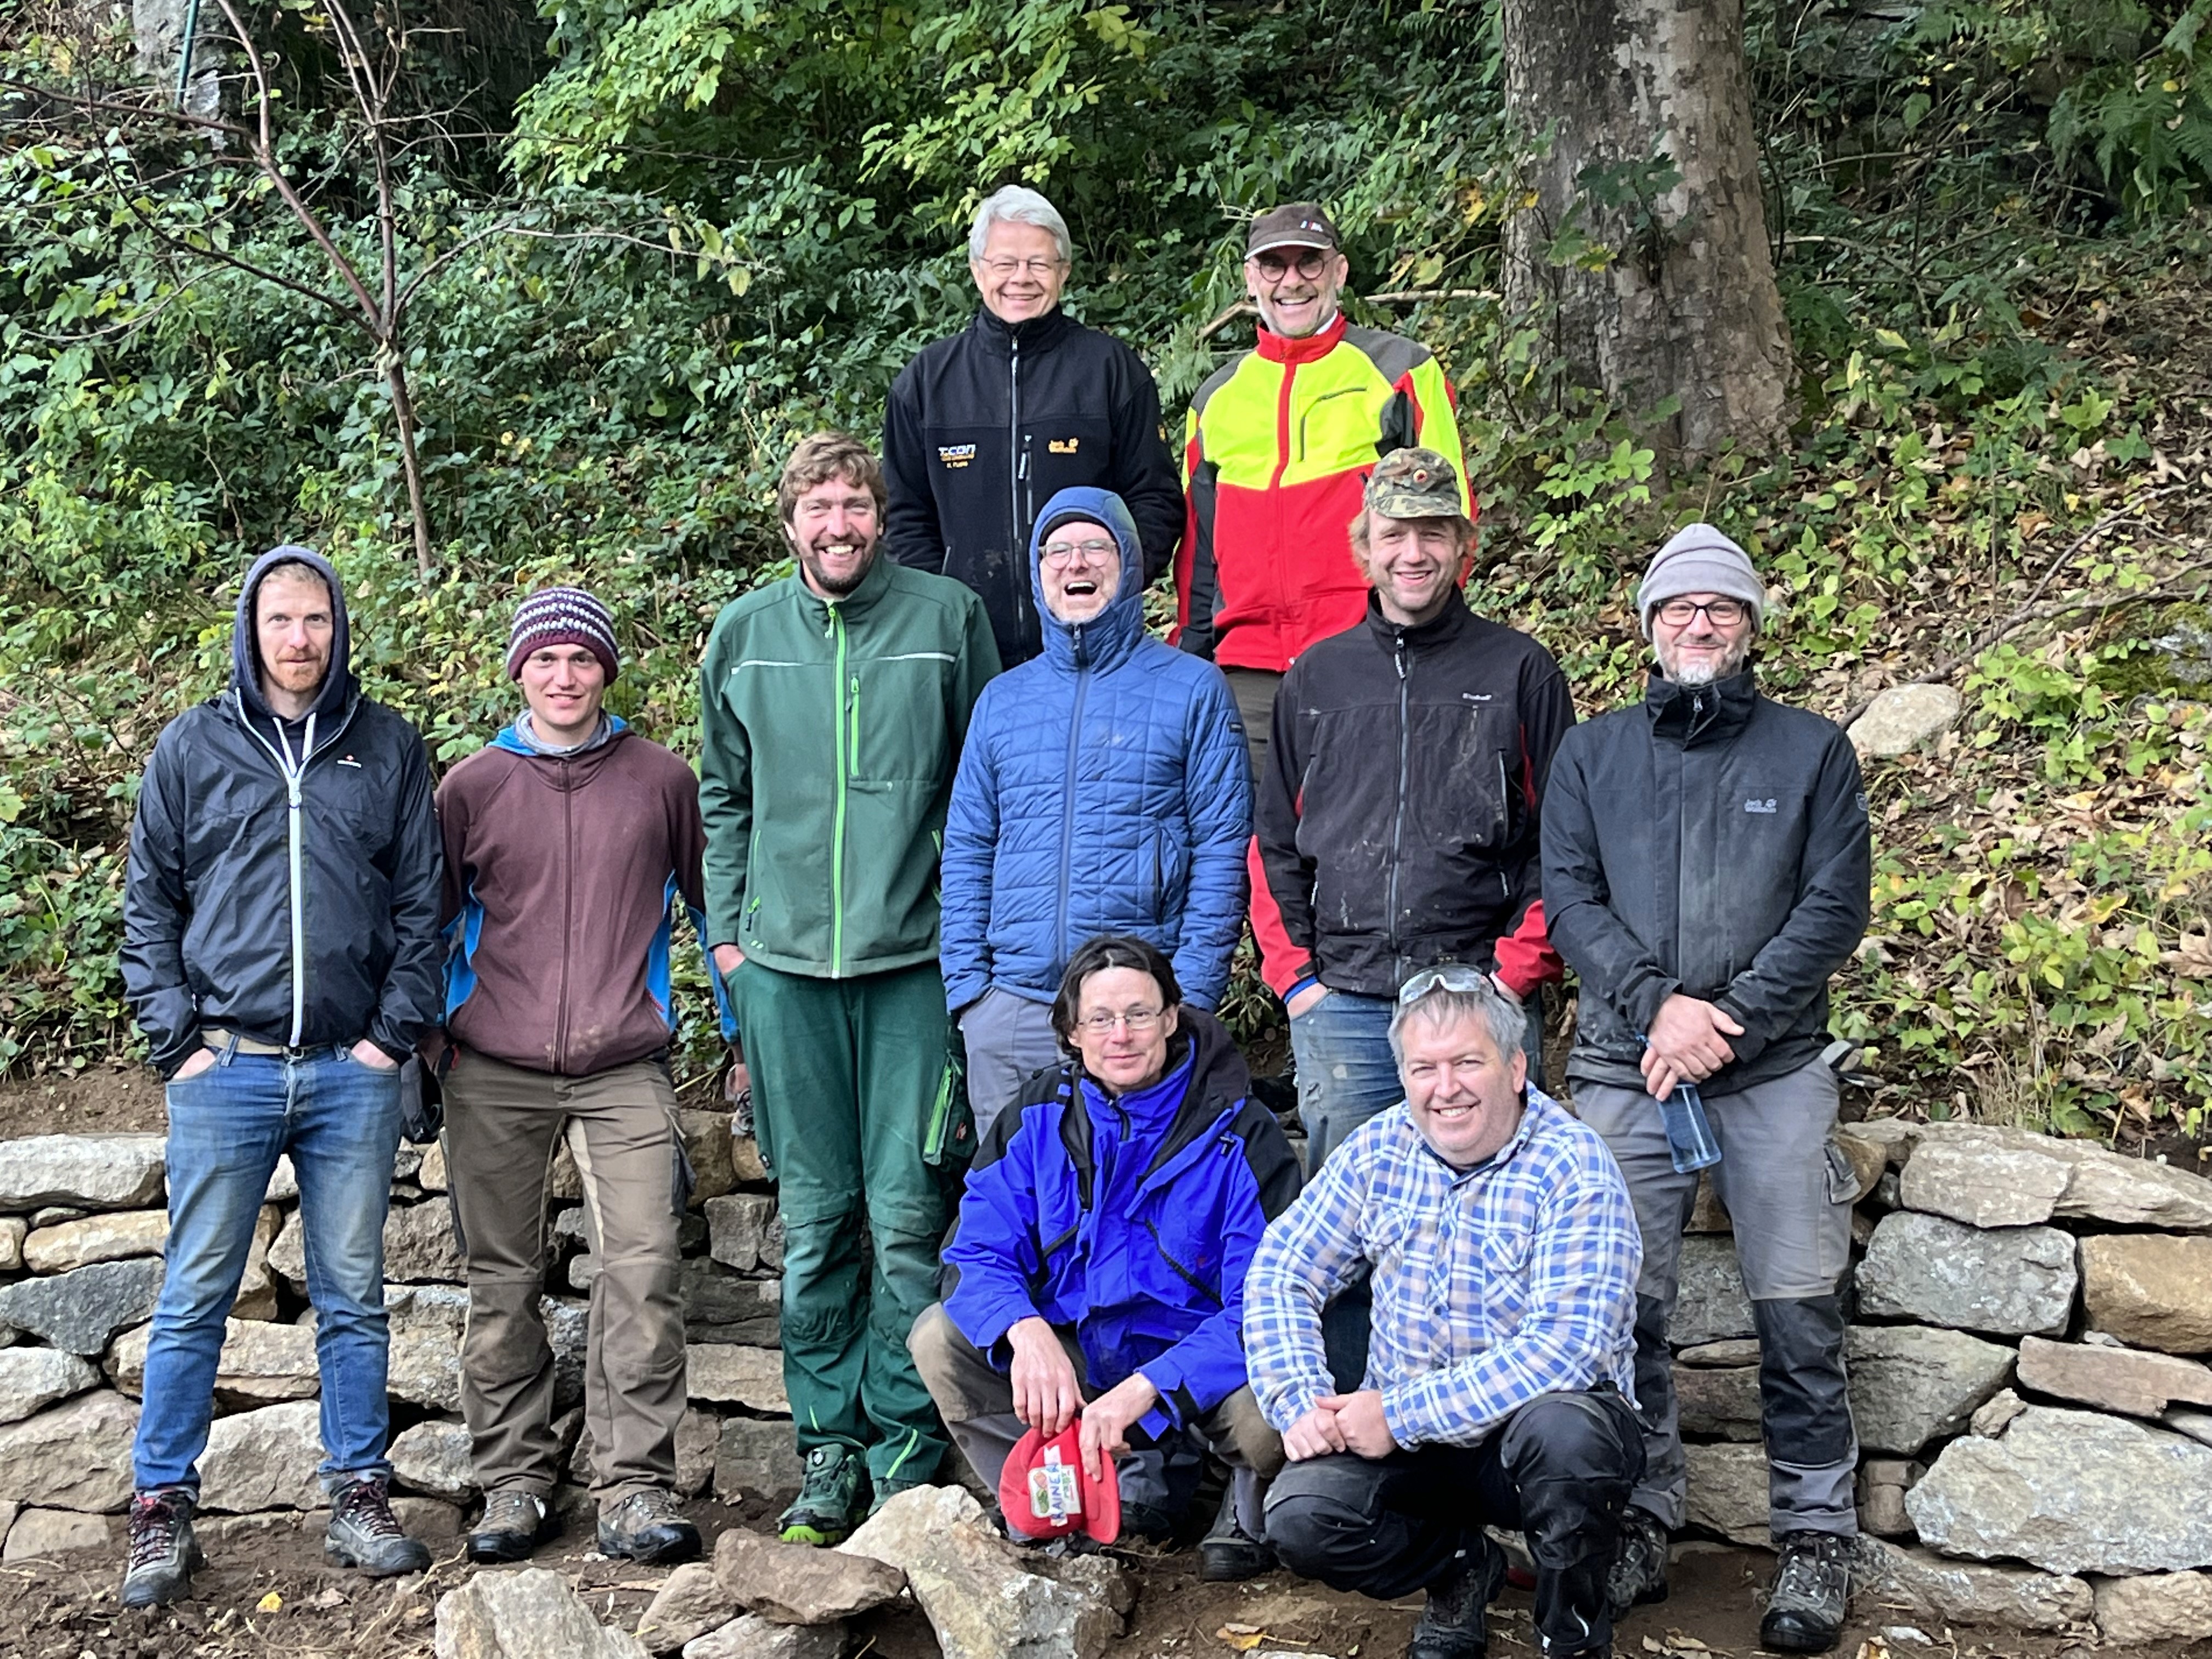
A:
<point x="1294" y="224"/>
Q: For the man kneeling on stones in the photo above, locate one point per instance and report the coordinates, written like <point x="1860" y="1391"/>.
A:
<point x="1504" y="1254"/>
<point x="1097" y="1265"/>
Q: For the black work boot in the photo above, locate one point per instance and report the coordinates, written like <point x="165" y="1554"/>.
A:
<point x="365" y="1535"/>
<point x="1812" y="1591"/>
<point x="1639" y="1562"/>
<point x="512" y="1523"/>
<point x="163" y="1551"/>
<point x="1454" y="1624"/>
<point x="1228" y="1553"/>
<point x="647" y="1526"/>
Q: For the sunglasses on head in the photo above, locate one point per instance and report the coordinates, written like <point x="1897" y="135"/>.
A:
<point x="1450" y="975"/>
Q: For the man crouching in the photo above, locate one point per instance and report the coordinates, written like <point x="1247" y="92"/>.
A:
<point x="1504" y="1254"/>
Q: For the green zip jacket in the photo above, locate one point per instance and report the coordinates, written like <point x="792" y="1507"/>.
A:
<point x="829" y="734"/>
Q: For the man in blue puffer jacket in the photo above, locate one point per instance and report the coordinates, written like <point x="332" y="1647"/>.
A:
<point x="1098" y="1268"/>
<point x="1104" y="789"/>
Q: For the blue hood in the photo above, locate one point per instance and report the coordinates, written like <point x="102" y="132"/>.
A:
<point x="515" y="744"/>
<point x="1114" y="632"/>
<point x="339" y="683"/>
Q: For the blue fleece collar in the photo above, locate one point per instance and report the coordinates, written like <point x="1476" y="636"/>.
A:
<point x="515" y="744"/>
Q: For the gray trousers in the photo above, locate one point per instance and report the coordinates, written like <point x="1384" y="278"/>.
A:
<point x="1008" y="1037"/>
<point x="1255" y="690"/>
<point x="1792" y="1217"/>
<point x="977" y="1401"/>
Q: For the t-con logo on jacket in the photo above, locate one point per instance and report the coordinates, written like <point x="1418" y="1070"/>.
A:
<point x="1064" y="445"/>
<point x="1755" y="805"/>
<point x="956" y="454"/>
<point x="348" y="760"/>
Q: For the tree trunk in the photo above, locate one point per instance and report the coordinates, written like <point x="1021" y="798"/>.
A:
<point x="1682" y="302"/>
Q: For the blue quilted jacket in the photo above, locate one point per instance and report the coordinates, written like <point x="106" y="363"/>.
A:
<point x="1104" y="788"/>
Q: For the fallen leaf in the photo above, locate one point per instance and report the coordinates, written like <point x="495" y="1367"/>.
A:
<point x="269" y="1603"/>
<point x="1242" y="1638"/>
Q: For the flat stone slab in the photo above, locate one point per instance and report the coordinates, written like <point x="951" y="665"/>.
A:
<point x="263" y="1460"/>
<point x="2149" y="1289"/>
<point x="1718" y="1401"/>
<point x="2014" y="1168"/>
<point x="261" y="1363"/>
<point x="2071" y="1492"/>
<point x="82" y="1310"/>
<point x="527" y="1614"/>
<point x="1902" y="718"/>
<point x="1909" y="1385"/>
<point x="2166" y="1607"/>
<point x="2007" y="1281"/>
<point x="797" y="1584"/>
<point x="1927" y="1586"/>
<point x="2117" y="1379"/>
<point x="75" y="1455"/>
<point x="109" y="1237"/>
<point x="752" y="1377"/>
<point x="1712" y="1305"/>
<point x="32" y="1379"/>
<point x="98" y="1172"/>
<point x="1728" y="1491"/>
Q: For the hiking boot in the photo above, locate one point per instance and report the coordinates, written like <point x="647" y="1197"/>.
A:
<point x="828" y="1499"/>
<point x="1639" y="1562"/>
<point x="1811" y="1589"/>
<point x="1228" y="1553"/>
<point x="163" y="1551"/>
<point x="364" y="1532"/>
<point x="512" y="1523"/>
<point x="647" y="1526"/>
<point x="1454" y="1624"/>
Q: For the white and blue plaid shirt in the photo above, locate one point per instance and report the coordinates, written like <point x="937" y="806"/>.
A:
<point x="1492" y="1286"/>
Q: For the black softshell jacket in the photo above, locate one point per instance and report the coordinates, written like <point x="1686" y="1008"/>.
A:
<point x="284" y="878"/>
<point x="984" y="427"/>
<point x="1712" y="843"/>
<point x="1396" y="822"/>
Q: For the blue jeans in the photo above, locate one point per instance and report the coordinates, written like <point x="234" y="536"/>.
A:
<point x="339" y="1120"/>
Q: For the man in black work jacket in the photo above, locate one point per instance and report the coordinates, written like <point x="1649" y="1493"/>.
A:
<point x="1397" y="819"/>
<point x="984" y="427"/>
<point x="1706" y="863"/>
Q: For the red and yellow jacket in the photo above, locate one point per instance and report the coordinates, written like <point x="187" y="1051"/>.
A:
<point x="1275" y="462"/>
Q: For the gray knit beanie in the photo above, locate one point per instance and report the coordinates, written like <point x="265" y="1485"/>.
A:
<point x="1699" y="559"/>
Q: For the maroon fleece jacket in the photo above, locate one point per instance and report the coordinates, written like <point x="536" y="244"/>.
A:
<point x="562" y="864"/>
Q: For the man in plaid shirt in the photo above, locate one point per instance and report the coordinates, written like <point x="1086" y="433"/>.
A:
<point x="1500" y="1374"/>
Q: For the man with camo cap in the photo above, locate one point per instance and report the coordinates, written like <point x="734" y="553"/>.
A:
<point x="1397" y="818"/>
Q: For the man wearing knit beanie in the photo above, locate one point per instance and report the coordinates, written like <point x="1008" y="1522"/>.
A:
<point x="564" y="838"/>
<point x="1706" y="863"/>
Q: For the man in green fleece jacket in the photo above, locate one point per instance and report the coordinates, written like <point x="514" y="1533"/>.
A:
<point x="832" y="707"/>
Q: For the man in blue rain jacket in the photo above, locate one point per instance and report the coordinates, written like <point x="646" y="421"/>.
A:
<point x="1104" y="789"/>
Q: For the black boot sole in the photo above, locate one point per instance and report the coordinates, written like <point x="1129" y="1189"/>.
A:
<point x="500" y="1548"/>
<point x="1233" y="1566"/>
<point x="1783" y="1638"/>
<point x="339" y="1556"/>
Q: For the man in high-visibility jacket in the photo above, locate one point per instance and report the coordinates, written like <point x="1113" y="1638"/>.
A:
<point x="1276" y="456"/>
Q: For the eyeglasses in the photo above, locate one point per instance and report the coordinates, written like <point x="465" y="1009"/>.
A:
<point x="1274" y="267"/>
<point x="1139" y="1021"/>
<point x="1059" y="555"/>
<point x="1451" y="976"/>
<point x="1722" y="613"/>
<point x="1039" y="269"/>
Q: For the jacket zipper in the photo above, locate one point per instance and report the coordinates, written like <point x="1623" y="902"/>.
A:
<point x="1067" y="802"/>
<point x="1398" y="829"/>
<point x="1019" y="460"/>
<point x="294" y="778"/>
<point x="567" y="922"/>
<point x="837" y="832"/>
<point x="1274" y="484"/>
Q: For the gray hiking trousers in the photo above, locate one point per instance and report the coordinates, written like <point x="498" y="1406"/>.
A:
<point x="1792" y="1216"/>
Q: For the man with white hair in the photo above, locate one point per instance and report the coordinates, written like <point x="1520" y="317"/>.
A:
<point x="984" y="427"/>
<point x="1706" y="862"/>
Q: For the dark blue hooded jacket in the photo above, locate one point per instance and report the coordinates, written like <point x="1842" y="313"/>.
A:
<point x="1104" y="788"/>
<point x="1132" y="1219"/>
<point x="284" y="879"/>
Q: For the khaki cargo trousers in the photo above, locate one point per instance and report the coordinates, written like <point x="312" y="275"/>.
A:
<point x="503" y="1126"/>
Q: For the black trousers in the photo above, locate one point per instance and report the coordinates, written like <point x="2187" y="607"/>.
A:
<point x="1559" y="1470"/>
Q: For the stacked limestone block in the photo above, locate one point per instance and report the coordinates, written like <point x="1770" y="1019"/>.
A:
<point x="2036" y="1437"/>
<point x="81" y="1230"/>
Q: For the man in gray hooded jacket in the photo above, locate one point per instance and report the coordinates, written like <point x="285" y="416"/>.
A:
<point x="282" y="955"/>
<point x="1706" y="863"/>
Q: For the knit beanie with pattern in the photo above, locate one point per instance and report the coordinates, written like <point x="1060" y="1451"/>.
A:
<point x="562" y="616"/>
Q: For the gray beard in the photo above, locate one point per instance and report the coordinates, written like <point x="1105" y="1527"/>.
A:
<point x="1705" y="672"/>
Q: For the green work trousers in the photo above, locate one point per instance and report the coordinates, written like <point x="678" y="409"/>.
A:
<point x="848" y="1078"/>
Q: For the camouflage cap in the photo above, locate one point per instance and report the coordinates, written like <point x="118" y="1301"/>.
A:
<point x="1414" y="483"/>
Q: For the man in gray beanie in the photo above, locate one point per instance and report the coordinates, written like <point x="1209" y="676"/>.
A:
<point x="1705" y="869"/>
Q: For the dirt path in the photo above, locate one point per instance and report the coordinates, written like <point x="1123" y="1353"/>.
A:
<point x="65" y="1609"/>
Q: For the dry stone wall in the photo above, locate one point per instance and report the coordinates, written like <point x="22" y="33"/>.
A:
<point x="2027" y="1354"/>
<point x="2027" y="1319"/>
<point x="81" y="1230"/>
